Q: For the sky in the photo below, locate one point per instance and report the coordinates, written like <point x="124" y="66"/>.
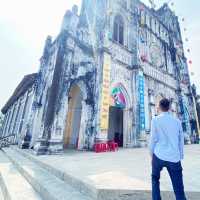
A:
<point x="25" y="24"/>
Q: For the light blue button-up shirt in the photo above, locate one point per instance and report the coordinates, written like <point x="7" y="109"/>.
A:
<point x="167" y="138"/>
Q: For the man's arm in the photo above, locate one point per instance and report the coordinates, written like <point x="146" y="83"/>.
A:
<point x="181" y="142"/>
<point x="153" y="137"/>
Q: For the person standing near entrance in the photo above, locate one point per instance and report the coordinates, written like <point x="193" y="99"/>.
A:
<point x="166" y="149"/>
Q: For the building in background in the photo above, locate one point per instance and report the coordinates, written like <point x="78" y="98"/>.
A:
<point x="102" y="78"/>
<point x="18" y="108"/>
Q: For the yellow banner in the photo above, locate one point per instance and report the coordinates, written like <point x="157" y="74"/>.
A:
<point x="105" y="101"/>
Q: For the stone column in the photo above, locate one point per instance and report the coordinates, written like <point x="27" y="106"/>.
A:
<point x="26" y="134"/>
<point x="2" y="126"/>
<point x="128" y="138"/>
<point x="15" y="119"/>
<point x="41" y="144"/>
<point x="9" y="121"/>
<point x="18" y="120"/>
<point x="38" y="114"/>
<point x="49" y="126"/>
<point x="20" y="142"/>
<point x="134" y="109"/>
<point x="55" y="140"/>
<point x="36" y="120"/>
<point x="84" y="134"/>
<point x="5" y="123"/>
<point x="55" y="143"/>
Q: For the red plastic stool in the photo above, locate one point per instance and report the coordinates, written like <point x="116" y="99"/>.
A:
<point x="113" y="146"/>
<point x="105" y="147"/>
<point x="116" y="146"/>
<point x="97" y="148"/>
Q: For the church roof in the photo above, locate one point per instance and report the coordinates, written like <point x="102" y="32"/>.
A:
<point x="23" y="86"/>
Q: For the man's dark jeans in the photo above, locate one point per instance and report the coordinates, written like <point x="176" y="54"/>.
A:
<point x="175" y="173"/>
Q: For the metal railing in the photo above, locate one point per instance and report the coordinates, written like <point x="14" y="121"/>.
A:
<point x="7" y="140"/>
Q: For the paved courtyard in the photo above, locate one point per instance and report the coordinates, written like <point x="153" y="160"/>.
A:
<point x="125" y="169"/>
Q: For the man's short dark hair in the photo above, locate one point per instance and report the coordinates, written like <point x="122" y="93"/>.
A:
<point x="164" y="104"/>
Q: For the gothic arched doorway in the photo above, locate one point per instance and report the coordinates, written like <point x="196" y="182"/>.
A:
<point x="72" y="127"/>
<point x="117" y="115"/>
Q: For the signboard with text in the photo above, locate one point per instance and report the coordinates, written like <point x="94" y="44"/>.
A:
<point x="105" y="99"/>
<point x="141" y="101"/>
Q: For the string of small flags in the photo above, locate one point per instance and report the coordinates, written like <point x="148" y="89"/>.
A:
<point x="178" y="45"/>
<point x="188" y="50"/>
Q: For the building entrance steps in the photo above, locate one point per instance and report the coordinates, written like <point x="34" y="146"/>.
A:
<point x="122" y="175"/>
<point x="46" y="184"/>
<point x="13" y="185"/>
<point x="1" y="194"/>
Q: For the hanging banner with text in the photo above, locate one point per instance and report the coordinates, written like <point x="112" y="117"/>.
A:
<point x="105" y="99"/>
<point x="141" y="101"/>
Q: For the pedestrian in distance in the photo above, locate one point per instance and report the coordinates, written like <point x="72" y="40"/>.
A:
<point x="166" y="149"/>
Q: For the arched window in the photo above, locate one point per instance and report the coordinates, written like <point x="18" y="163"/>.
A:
<point x="119" y="30"/>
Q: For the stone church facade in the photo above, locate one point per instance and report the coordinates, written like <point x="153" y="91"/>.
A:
<point x="102" y="78"/>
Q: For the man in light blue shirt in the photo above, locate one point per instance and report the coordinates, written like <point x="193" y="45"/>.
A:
<point x="166" y="148"/>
